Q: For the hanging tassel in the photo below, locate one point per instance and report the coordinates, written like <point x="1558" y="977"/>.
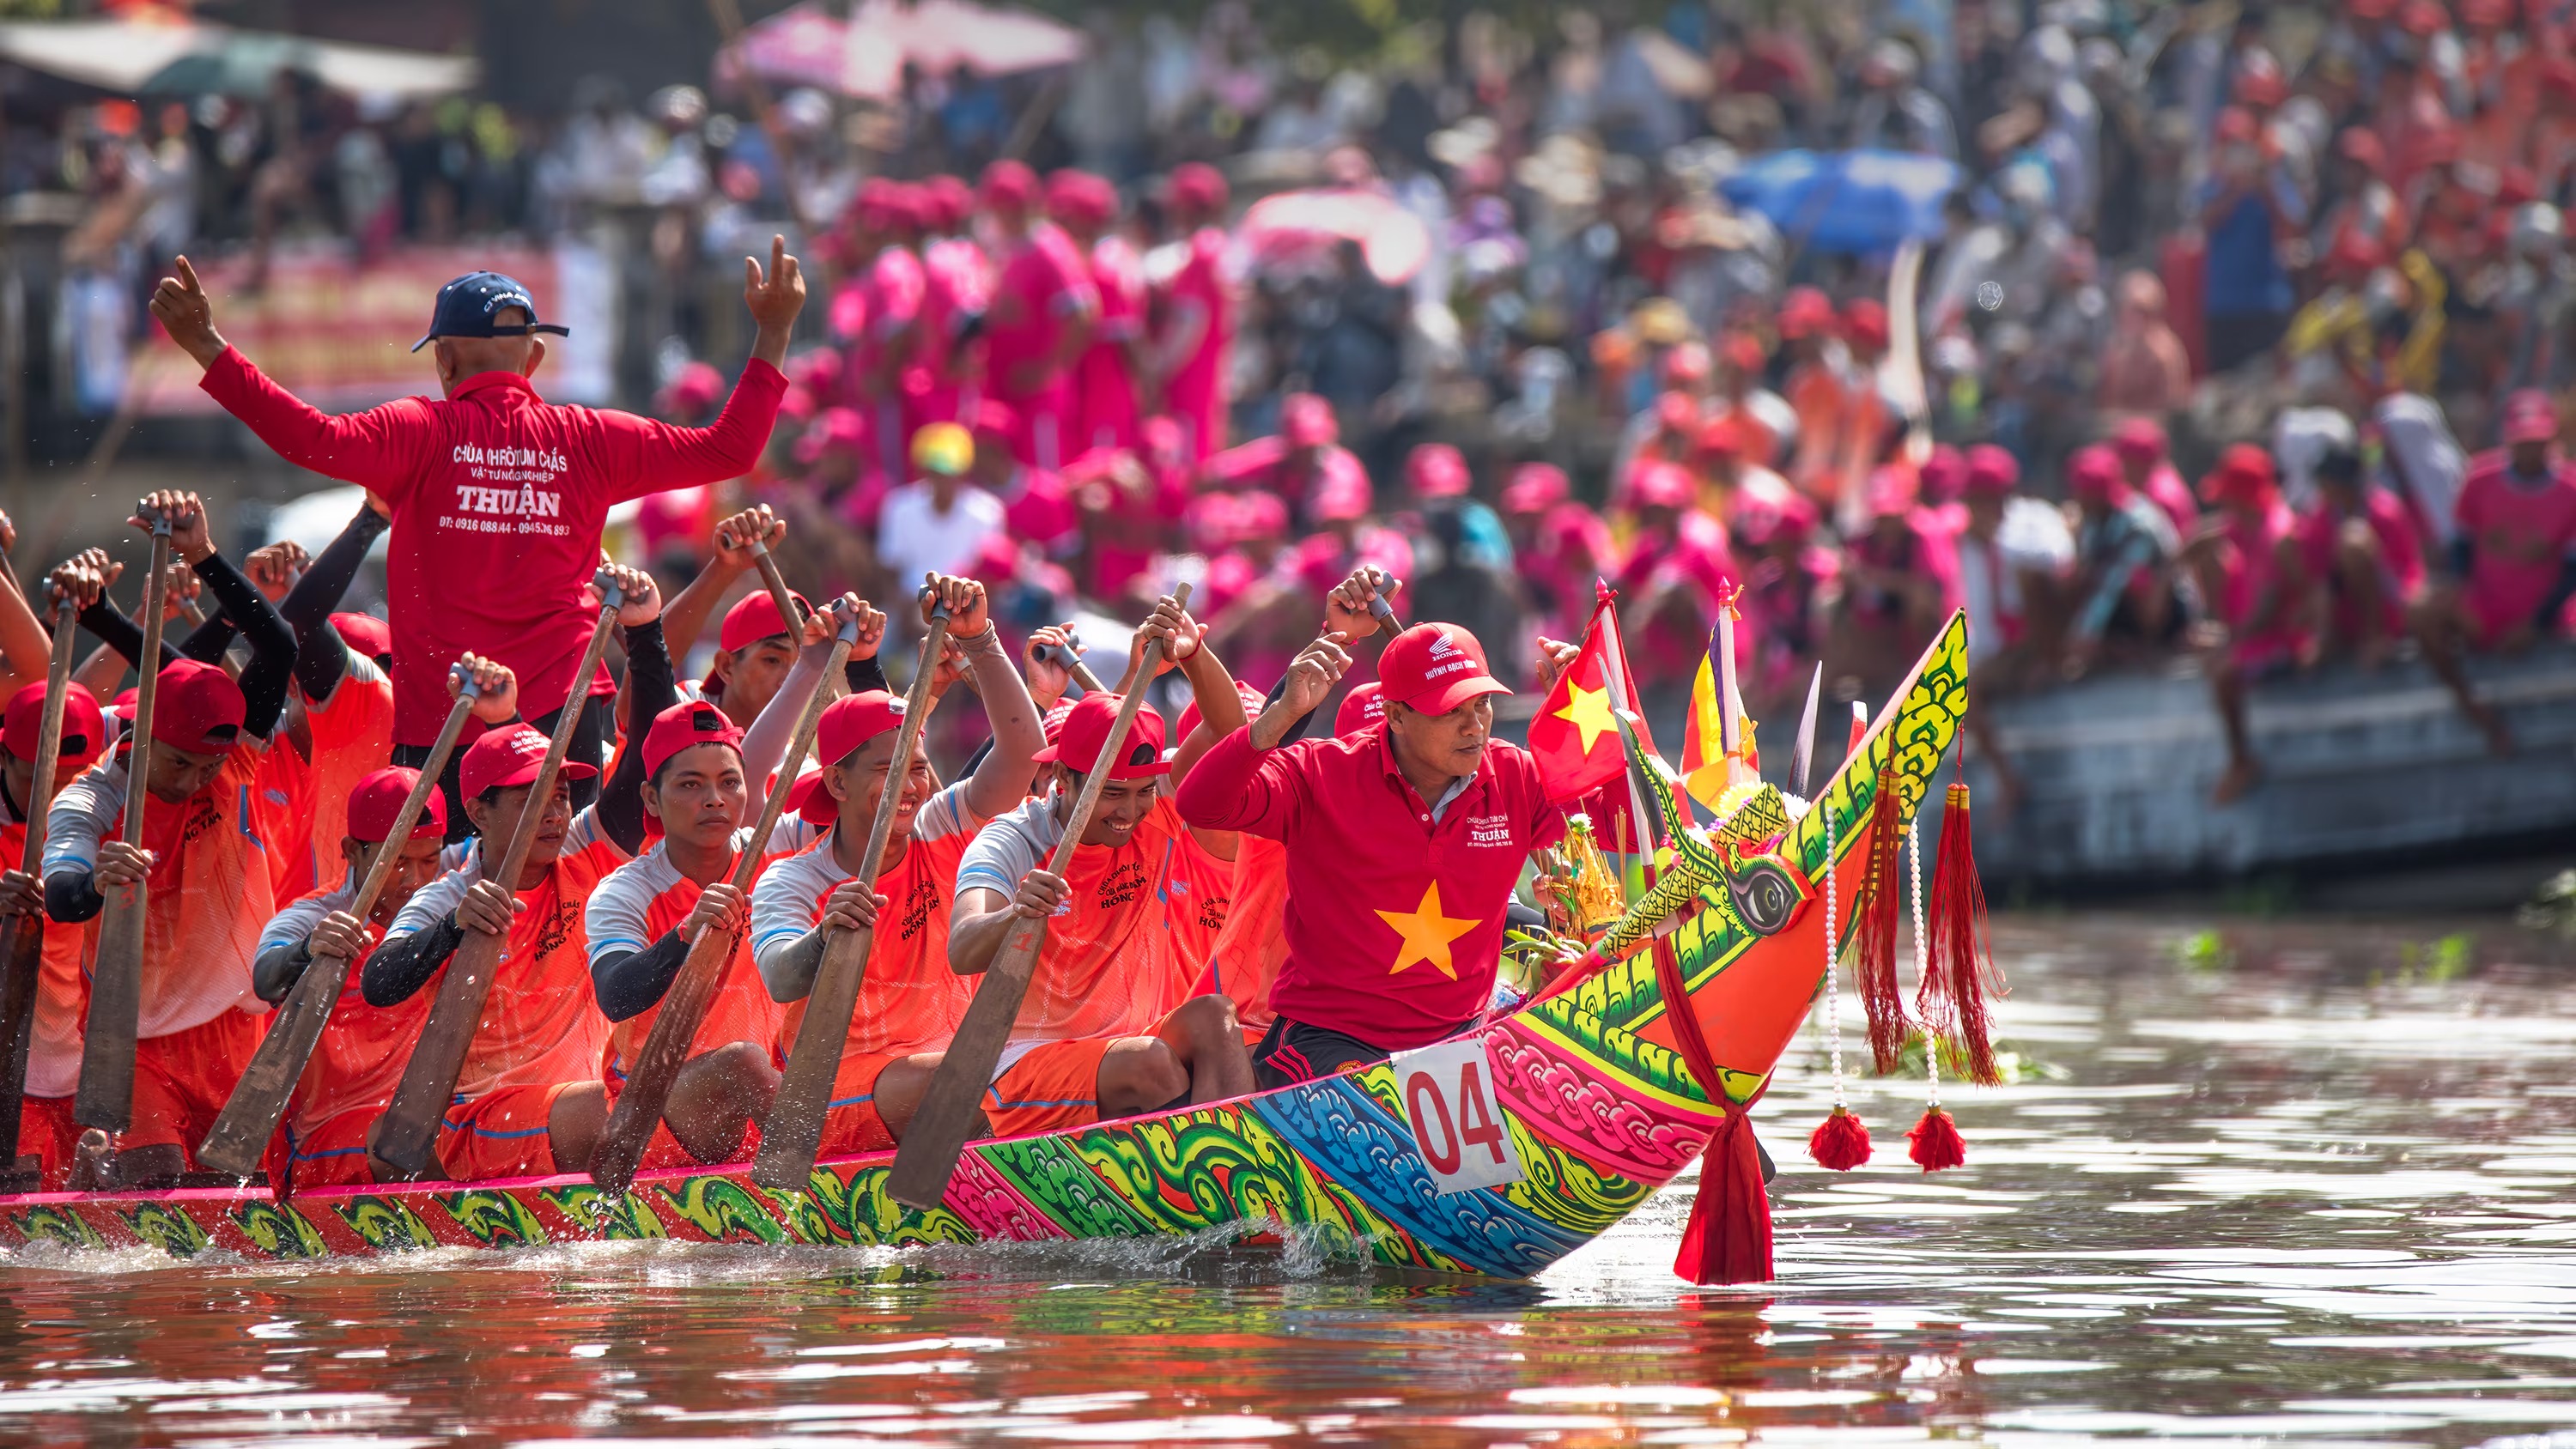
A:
<point x="1840" y="1142"/>
<point x="1875" y="931"/>
<point x="1962" y="972"/>
<point x="1934" y="1143"/>
<point x="1728" y="1239"/>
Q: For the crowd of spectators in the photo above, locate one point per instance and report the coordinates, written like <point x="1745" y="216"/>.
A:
<point x="2227" y="310"/>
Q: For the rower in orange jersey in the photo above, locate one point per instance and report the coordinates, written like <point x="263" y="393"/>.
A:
<point x="46" y="1133"/>
<point x="1107" y="1029"/>
<point x="700" y="773"/>
<point x="213" y="777"/>
<point x="322" y="1140"/>
<point x="342" y="721"/>
<point x="529" y="1099"/>
<point x="910" y="1001"/>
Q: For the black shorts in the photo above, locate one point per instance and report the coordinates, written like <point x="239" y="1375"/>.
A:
<point x="1292" y="1052"/>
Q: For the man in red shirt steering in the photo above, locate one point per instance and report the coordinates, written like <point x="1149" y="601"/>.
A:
<point x="497" y="497"/>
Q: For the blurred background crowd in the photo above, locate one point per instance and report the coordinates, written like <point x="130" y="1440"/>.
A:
<point x="2146" y="332"/>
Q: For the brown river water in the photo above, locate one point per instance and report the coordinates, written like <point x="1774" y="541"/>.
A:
<point x="2304" y="1183"/>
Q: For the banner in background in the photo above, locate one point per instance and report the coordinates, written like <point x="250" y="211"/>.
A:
<point x="338" y="334"/>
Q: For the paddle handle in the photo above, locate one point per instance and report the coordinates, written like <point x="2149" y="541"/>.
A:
<point x="23" y="968"/>
<point x="776" y="583"/>
<point x="406" y="1137"/>
<point x="684" y="1006"/>
<point x="927" y="1157"/>
<point x="105" y="1099"/>
<point x="792" y="1135"/>
<point x="1080" y="671"/>
<point x="239" y="1138"/>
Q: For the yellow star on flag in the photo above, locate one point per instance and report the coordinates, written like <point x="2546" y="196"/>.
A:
<point x="1588" y="710"/>
<point x="1427" y="933"/>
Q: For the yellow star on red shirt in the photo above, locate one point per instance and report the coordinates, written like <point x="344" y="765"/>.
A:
<point x="1588" y="710"/>
<point x="1427" y="933"/>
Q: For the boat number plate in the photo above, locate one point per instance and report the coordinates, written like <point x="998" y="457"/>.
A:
<point x="1462" y="1136"/>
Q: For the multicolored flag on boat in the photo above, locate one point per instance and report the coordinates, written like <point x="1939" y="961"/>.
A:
<point x="1718" y="751"/>
<point x="1575" y="734"/>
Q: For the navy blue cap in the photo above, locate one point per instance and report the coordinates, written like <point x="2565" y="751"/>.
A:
<point x="467" y="306"/>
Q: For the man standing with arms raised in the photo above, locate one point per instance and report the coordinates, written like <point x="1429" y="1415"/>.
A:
<point x="1404" y="840"/>
<point x="497" y="496"/>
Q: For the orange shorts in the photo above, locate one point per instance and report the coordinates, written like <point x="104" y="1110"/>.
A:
<point x="181" y="1081"/>
<point x="851" y="1125"/>
<point x="502" y="1133"/>
<point x="1055" y="1086"/>
<point x="664" y="1150"/>
<point x="332" y="1154"/>
<point x="47" y="1133"/>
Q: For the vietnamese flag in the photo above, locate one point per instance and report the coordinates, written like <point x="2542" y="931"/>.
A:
<point x="1575" y="734"/>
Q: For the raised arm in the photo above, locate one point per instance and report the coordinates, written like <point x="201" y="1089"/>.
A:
<point x="650" y="690"/>
<point x="687" y="614"/>
<point x="22" y="635"/>
<point x="272" y="644"/>
<point x="764" y="745"/>
<point x="645" y="456"/>
<point x="1244" y="781"/>
<point x="1001" y="779"/>
<point x="320" y="656"/>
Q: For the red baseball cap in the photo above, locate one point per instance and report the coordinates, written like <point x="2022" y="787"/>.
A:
<point x="1051" y="724"/>
<point x="1435" y="668"/>
<point x="1720" y="437"/>
<point x="1008" y="183"/>
<point x="2093" y="472"/>
<point x="198" y="708"/>
<point x="2529" y="418"/>
<point x="847" y="723"/>
<point x="1341" y="495"/>
<point x="1361" y="708"/>
<point x="944" y="201"/>
<point x="835" y="430"/>
<point x="1080" y="198"/>
<point x="508" y="757"/>
<point x="753" y="619"/>
<point x="689" y="723"/>
<point x="1804" y="311"/>
<point x="1086" y="729"/>
<point x="1865" y="322"/>
<point x="1654" y="483"/>
<point x="378" y="798"/>
<point x="1536" y="487"/>
<point x="1945" y="474"/>
<point x="84" y="728"/>
<point x="1686" y="364"/>
<point x="1436" y="470"/>
<point x="365" y="633"/>
<point x="2244" y="470"/>
<point x="1196" y="186"/>
<point x="1992" y="471"/>
<point x="1307" y="421"/>
<point x="2140" y="441"/>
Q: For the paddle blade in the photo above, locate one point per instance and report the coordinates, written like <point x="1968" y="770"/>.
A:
<point x="791" y="1137"/>
<point x="106" y="1096"/>
<point x="657" y="1065"/>
<point x="19" y="975"/>
<point x="239" y="1138"/>
<point x="952" y="1109"/>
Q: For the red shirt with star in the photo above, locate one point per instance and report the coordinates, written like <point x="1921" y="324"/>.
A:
<point x="1395" y="918"/>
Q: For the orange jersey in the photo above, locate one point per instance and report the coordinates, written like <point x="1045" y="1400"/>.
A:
<point x="909" y="1000"/>
<point x="211" y="888"/>
<point x="352" y="735"/>
<point x="541" y="1023"/>
<point x="1111" y="963"/>
<point x="1245" y="958"/>
<point x="62" y="992"/>
<point x="1197" y="899"/>
<point x="646" y="899"/>
<point x="360" y="1057"/>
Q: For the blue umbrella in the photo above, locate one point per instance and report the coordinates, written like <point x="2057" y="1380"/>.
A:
<point x="1845" y="201"/>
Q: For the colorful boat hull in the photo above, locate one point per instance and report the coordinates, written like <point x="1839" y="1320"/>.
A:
<point x="1579" y="1098"/>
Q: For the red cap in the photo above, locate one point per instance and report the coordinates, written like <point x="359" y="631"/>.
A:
<point x="2354" y="254"/>
<point x="753" y="619"/>
<point x="2529" y="418"/>
<point x="1889" y="493"/>
<point x="1361" y="708"/>
<point x="1307" y="421"/>
<point x="2237" y="125"/>
<point x="1720" y="437"/>
<point x="1079" y="198"/>
<point x="837" y="430"/>
<point x="1865" y="322"/>
<point x="995" y="419"/>
<point x="198" y="709"/>
<point x="847" y="723"/>
<point x="1654" y="483"/>
<point x="1253" y="705"/>
<point x="1261" y="515"/>
<point x="2093" y="473"/>
<point x="378" y="798"/>
<point x="1805" y="311"/>
<point x="690" y="722"/>
<point x="2423" y="19"/>
<point x="1992" y="471"/>
<point x="691" y="391"/>
<point x="1759" y="520"/>
<point x="1341" y="495"/>
<point x="2140" y="441"/>
<point x="1435" y="668"/>
<point x="1744" y="352"/>
<point x="508" y="757"/>
<point x="84" y="728"/>
<point x="1086" y="729"/>
<point x="1196" y="186"/>
<point x="1945" y="474"/>
<point x="1051" y="724"/>
<point x="1009" y="183"/>
<point x="1436" y="470"/>
<point x="944" y="202"/>
<point x="1686" y="364"/>
<point x="2244" y="471"/>
<point x="1677" y="412"/>
<point x="1536" y="487"/>
<point x="365" y="633"/>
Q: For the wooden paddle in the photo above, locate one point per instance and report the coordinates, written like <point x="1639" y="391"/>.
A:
<point x="240" y="1136"/>
<point x="776" y="583"/>
<point x="792" y="1134"/>
<point x="927" y="1157"/>
<point x="684" y="1006"/>
<point x="106" y="1096"/>
<point x="26" y="959"/>
<point x="406" y="1137"/>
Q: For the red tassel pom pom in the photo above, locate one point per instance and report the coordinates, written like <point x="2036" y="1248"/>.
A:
<point x="1953" y="997"/>
<point x="1728" y="1239"/>
<point x="1840" y="1143"/>
<point x="1882" y="900"/>
<point x="1935" y="1142"/>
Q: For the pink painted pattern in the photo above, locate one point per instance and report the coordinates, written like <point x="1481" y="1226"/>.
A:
<point x="994" y="1208"/>
<point x="1561" y="1097"/>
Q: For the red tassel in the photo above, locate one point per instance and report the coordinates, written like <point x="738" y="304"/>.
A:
<point x="1935" y="1143"/>
<point x="1840" y="1143"/>
<point x="1729" y="1236"/>
<point x="1952" y="999"/>
<point x="1881" y="902"/>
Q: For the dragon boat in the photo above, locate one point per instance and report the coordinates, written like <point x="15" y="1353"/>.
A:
<point x="1494" y="1153"/>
